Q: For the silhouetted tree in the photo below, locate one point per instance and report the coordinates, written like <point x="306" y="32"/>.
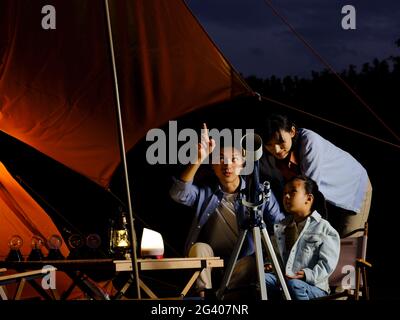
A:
<point x="323" y="95"/>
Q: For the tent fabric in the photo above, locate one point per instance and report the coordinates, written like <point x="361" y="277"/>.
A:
<point x="57" y="88"/>
<point x="21" y="215"/>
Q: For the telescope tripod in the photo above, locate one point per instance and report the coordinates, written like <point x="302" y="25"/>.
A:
<point x="257" y="227"/>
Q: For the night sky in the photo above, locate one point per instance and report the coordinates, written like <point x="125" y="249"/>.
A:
<point x="258" y="43"/>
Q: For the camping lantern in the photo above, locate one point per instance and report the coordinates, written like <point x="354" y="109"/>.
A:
<point x="36" y="254"/>
<point x="152" y="244"/>
<point x="15" y="244"/>
<point x="119" y="237"/>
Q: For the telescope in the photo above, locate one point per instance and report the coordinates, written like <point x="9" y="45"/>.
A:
<point x="253" y="197"/>
<point x="255" y="194"/>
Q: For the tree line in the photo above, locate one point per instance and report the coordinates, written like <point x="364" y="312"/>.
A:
<point x="323" y="94"/>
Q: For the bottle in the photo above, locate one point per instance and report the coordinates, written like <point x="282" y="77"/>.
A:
<point x="54" y="243"/>
<point x="36" y="253"/>
<point x="120" y="239"/>
<point x="15" y="244"/>
<point x="76" y="245"/>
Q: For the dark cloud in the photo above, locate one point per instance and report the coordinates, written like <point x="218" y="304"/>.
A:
<point x="257" y="42"/>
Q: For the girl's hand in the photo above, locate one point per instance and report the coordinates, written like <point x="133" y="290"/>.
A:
<point x="268" y="267"/>
<point x="298" y="275"/>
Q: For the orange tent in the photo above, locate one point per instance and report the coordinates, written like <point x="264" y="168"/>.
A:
<point x="21" y="215"/>
<point x="57" y="87"/>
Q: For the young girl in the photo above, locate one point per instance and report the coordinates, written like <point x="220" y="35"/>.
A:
<point x="215" y="227"/>
<point x="308" y="245"/>
<point x="342" y="179"/>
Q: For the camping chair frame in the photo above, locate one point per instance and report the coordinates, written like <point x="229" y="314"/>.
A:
<point x="360" y="264"/>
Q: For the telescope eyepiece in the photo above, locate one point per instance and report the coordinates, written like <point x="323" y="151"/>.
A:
<point x="252" y="146"/>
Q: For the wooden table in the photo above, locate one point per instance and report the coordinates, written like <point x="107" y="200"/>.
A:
<point x="77" y="270"/>
<point x="196" y="264"/>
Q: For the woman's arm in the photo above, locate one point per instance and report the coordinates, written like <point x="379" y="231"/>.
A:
<point x="311" y="155"/>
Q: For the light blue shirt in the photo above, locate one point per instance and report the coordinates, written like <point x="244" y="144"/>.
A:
<point x="316" y="250"/>
<point x="341" y="178"/>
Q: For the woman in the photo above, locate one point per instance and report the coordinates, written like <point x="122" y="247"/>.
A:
<point x="342" y="179"/>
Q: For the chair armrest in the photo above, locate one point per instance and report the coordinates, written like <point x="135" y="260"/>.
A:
<point x="362" y="262"/>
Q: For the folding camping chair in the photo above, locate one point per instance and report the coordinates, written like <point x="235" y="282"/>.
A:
<point x="350" y="276"/>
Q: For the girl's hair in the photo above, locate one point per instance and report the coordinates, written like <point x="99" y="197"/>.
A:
<point x="274" y="124"/>
<point x="311" y="187"/>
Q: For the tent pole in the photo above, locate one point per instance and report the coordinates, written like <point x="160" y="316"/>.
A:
<point x="123" y="154"/>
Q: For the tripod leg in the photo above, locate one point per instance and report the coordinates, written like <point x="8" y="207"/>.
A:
<point x="275" y="263"/>
<point x="260" y="262"/>
<point x="232" y="261"/>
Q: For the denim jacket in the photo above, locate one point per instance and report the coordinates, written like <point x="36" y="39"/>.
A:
<point x="316" y="250"/>
<point x="206" y="200"/>
<point x="341" y="178"/>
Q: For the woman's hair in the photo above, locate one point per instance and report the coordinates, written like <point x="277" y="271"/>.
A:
<point x="311" y="187"/>
<point x="273" y="125"/>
